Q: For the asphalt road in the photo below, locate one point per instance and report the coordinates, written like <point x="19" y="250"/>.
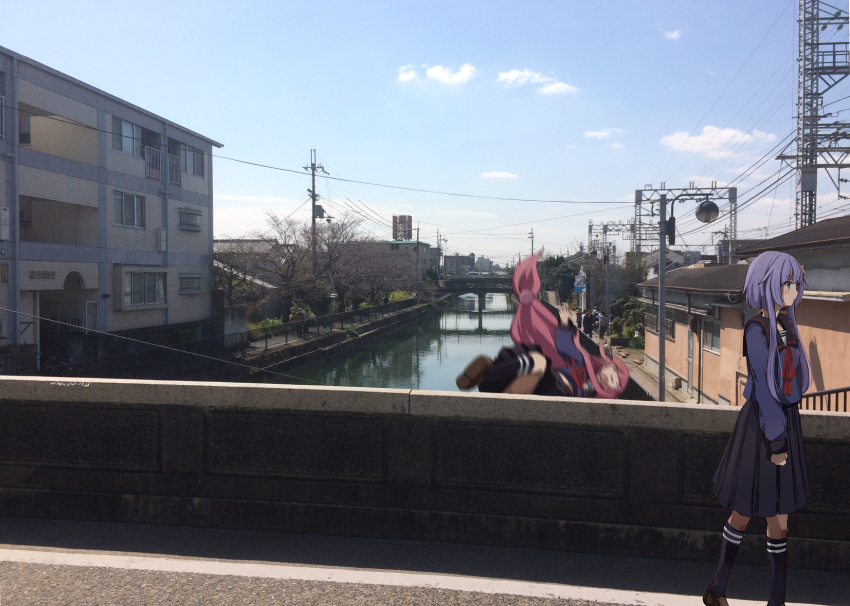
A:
<point x="81" y="563"/>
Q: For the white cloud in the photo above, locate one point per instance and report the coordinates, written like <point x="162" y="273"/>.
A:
<point x="517" y="77"/>
<point x="616" y="145"/>
<point x="672" y="35"/>
<point x="557" y="88"/>
<point x="447" y="76"/>
<point x="605" y="133"/>
<point x="406" y="73"/>
<point x="496" y="174"/>
<point x="714" y="142"/>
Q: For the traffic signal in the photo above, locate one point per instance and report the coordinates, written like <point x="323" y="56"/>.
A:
<point x="671" y="231"/>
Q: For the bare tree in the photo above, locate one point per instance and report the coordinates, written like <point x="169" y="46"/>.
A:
<point x="379" y="270"/>
<point x="287" y="264"/>
<point x="339" y="262"/>
<point x="235" y="262"/>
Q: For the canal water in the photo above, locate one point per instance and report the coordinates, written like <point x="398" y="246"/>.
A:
<point x="428" y="355"/>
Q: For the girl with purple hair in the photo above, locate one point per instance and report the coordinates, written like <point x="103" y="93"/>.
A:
<point x="762" y="472"/>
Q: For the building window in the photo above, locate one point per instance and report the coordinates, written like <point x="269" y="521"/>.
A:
<point x="651" y="321"/>
<point x="189" y="220"/>
<point x="190" y="285"/>
<point x="191" y="158"/>
<point x="144" y="288"/>
<point x="650" y="318"/>
<point x="2" y="117"/>
<point x="129" y="209"/>
<point x="711" y="335"/>
<point x="126" y="137"/>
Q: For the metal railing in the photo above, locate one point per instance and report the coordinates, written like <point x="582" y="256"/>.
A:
<point x="69" y="317"/>
<point x="153" y="163"/>
<point x="833" y="55"/>
<point x="832" y="400"/>
<point x="175" y="174"/>
<point x="299" y="329"/>
<point x="152" y="361"/>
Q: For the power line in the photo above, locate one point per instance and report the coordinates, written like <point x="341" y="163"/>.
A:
<point x="156" y="345"/>
<point x="370" y="183"/>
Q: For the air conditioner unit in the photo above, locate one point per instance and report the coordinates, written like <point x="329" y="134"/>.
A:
<point x="161" y="240"/>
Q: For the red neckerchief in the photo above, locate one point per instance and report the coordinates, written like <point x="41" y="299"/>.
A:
<point x="788" y="367"/>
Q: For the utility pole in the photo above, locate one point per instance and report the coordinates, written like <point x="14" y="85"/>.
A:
<point x="531" y="235"/>
<point x="314" y="197"/>
<point x="418" y="274"/>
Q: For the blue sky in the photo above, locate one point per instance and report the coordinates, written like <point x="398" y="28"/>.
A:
<point x="555" y="101"/>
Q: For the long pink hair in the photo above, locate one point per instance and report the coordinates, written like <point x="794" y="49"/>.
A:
<point x="534" y="324"/>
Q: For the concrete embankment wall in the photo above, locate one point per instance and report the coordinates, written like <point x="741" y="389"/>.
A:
<point x="341" y="341"/>
<point x="616" y="477"/>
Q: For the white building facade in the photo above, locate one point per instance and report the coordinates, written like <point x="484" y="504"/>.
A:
<point x="106" y="210"/>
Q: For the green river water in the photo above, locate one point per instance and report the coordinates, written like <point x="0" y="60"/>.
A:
<point x="428" y="355"/>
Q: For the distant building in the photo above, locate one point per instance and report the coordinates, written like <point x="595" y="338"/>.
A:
<point x="412" y="252"/>
<point x="484" y="265"/>
<point x="459" y="264"/>
<point x="106" y="211"/>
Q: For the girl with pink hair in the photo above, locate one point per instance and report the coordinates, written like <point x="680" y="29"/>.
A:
<point x="547" y="358"/>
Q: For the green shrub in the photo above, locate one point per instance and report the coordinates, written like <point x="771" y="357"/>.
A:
<point x="266" y="323"/>
<point x="637" y="343"/>
<point x="398" y="295"/>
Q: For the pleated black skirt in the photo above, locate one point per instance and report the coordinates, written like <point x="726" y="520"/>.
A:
<point x="747" y="482"/>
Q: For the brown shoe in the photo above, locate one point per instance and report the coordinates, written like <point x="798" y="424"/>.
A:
<point x="474" y="372"/>
<point x="709" y="599"/>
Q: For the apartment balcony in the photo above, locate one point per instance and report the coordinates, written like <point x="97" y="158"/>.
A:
<point x="53" y="222"/>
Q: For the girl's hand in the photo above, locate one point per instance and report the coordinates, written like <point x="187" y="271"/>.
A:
<point x="566" y="315"/>
<point x="779" y="458"/>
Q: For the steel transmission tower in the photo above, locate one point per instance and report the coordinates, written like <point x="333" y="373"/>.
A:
<point x="820" y="66"/>
<point x="623" y="228"/>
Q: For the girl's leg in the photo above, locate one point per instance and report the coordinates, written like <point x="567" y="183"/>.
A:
<point x="777" y="535"/>
<point x="733" y="532"/>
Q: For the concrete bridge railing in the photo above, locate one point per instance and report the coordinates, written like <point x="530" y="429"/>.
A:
<point x="615" y="477"/>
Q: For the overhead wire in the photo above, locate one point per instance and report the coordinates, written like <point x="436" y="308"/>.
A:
<point x="252" y="369"/>
<point x="729" y="84"/>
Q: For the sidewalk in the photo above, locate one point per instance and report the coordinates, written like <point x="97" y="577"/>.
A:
<point x="75" y="563"/>
<point x="649" y="381"/>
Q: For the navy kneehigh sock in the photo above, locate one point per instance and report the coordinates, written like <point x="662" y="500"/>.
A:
<point x="728" y="549"/>
<point x="777" y="556"/>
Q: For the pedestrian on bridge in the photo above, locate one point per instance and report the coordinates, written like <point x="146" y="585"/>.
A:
<point x="762" y="472"/>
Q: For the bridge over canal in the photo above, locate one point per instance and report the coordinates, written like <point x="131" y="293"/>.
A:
<point x="478" y="285"/>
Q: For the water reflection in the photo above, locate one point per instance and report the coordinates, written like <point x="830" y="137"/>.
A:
<point x="428" y="355"/>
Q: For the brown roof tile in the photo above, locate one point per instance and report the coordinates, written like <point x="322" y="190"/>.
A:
<point x="829" y="232"/>
<point x="709" y="279"/>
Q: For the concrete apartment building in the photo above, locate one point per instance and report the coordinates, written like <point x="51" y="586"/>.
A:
<point x="105" y="210"/>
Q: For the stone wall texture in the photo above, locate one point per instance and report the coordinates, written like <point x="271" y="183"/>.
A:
<point x="615" y="477"/>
